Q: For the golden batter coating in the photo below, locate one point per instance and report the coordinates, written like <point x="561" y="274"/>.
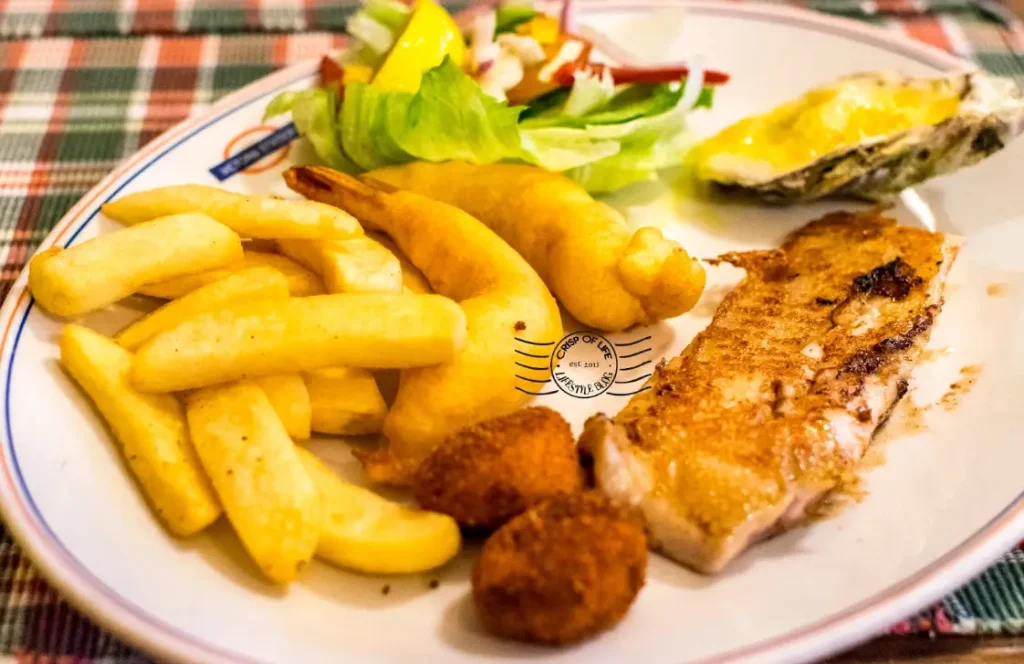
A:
<point x="501" y="295"/>
<point x="604" y="273"/>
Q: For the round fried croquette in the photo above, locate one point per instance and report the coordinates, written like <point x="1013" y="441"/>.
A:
<point x="564" y="570"/>
<point x="487" y="473"/>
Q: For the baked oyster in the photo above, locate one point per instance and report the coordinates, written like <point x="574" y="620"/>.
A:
<point x="866" y="136"/>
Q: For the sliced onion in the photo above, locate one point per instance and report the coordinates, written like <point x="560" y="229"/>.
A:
<point x="694" y="83"/>
<point x="569" y="52"/>
<point x="464" y="19"/>
<point x="504" y="73"/>
<point x="567" y="18"/>
<point x="527" y="49"/>
<point x="604" y="43"/>
<point x="481" y="39"/>
<point x="483" y="57"/>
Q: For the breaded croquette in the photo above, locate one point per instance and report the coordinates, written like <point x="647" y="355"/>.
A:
<point x="562" y="571"/>
<point x="487" y="473"/>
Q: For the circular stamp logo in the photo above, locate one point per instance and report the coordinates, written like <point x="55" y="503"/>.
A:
<point x="584" y="364"/>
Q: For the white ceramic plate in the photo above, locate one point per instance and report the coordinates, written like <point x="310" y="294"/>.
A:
<point x="946" y="502"/>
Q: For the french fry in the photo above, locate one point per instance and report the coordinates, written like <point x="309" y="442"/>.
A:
<point x="251" y="216"/>
<point x="413" y="280"/>
<point x="290" y="399"/>
<point x="249" y="285"/>
<point x="365" y="532"/>
<point x="92" y="275"/>
<point x="269" y="498"/>
<point x="378" y="330"/>
<point x="301" y="282"/>
<point x="345" y="401"/>
<point x="359" y="265"/>
<point x="150" y="428"/>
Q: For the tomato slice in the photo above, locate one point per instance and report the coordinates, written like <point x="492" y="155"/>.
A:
<point x="330" y="71"/>
<point x="338" y="76"/>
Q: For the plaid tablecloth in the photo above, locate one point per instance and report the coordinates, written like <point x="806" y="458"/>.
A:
<point x="86" y="83"/>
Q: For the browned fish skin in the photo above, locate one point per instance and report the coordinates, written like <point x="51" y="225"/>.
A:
<point x="778" y="398"/>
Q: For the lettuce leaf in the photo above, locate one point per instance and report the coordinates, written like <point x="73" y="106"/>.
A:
<point x="450" y="117"/>
<point x="549" y="103"/>
<point x="641" y="130"/>
<point x="637" y="162"/>
<point x="559" y="149"/>
<point x="315" y="115"/>
<point x="280" y="104"/>
<point x="629" y="103"/>
<point x="644" y="144"/>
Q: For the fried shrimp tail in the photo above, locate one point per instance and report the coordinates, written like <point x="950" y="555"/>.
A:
<point x="605" y="274"/>
<point x="502" y="296"/>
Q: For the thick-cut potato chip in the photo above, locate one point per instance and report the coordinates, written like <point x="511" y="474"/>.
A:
<point x="359" y="265"/>
<point x="252" y="216"/>
<point x="365" y="532"/>
<point x="269" y="498"/>
<point x="378" y="330"/>
<point x="92" y="275"/>
<point x="150" y="428"/>
<point x="290" y="399"/>
<point x="413" y="280"/>
<point x="250" y="285"/>
<point x="345" y="401"/>
<point x="301" y="282"/>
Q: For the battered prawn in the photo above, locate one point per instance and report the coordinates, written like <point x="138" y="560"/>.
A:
<point x="606" y="275"/>
<point x="501" y="295"/>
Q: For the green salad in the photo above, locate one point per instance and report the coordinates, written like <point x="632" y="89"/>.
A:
<point x="508" y="84"/>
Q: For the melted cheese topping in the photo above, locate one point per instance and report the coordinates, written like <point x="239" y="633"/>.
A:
<point x="820" y="123"/>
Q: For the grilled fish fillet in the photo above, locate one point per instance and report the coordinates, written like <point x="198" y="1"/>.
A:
<point x="779" y="397"/>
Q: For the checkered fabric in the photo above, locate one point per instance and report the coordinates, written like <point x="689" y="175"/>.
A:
<point x="86" y="83"/>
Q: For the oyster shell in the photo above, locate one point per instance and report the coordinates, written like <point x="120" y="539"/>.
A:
<point x="904" y="131"/>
